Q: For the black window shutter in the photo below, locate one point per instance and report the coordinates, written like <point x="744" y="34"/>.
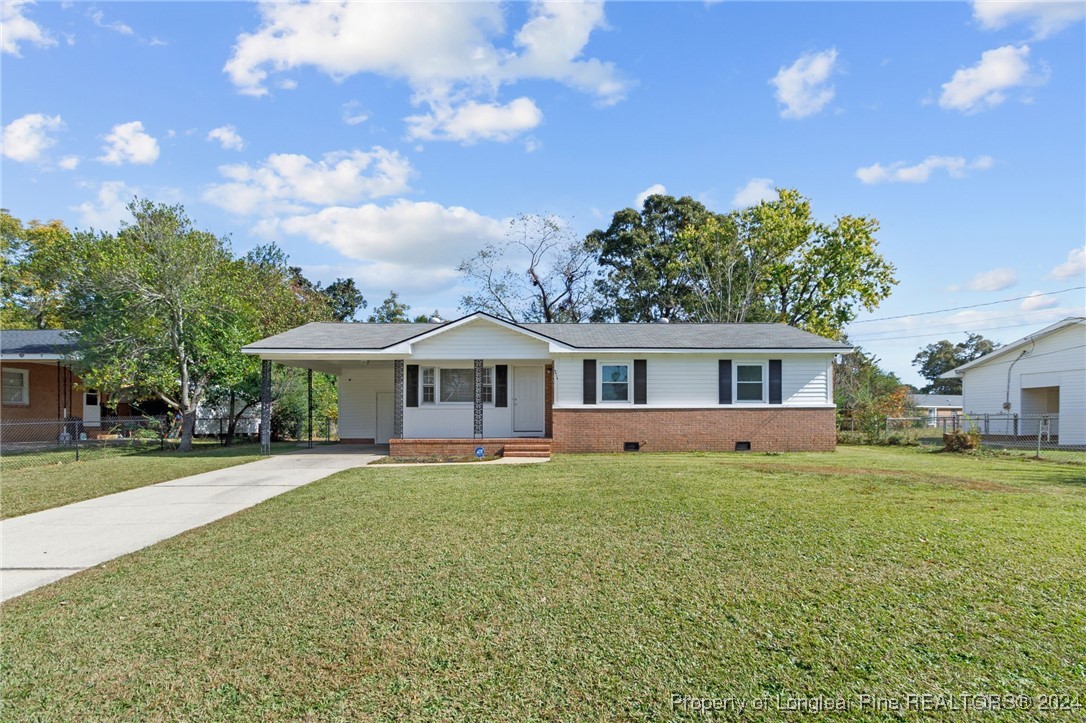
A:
<point x="641" y="388"/>
<point x="589" y="381"/>
<point x="412" y="385"/>
<point x="501" y="385"/>
<point x="724" y="380"/>
<point x="774" y="381"/>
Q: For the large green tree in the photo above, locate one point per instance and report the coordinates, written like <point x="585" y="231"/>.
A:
<point x="936" y="359"/>
<point x="35" y="265"/>
<point x="644" y="272"/>
<point x="865" y="394"/>
<point x="391" y="311"/>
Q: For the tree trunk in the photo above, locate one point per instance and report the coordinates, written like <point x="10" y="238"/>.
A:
<point x="188" y="427"/>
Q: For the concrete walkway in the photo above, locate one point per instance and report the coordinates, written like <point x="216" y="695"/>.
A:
<point x="45" y="546"/>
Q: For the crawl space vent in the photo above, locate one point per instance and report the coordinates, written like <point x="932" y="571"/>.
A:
<point x="631" y="446"/>
<point x="742" y="446"/>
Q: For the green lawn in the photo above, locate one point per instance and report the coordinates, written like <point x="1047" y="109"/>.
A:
<point x="44" y="485"/>
<point x="592" y="587"/>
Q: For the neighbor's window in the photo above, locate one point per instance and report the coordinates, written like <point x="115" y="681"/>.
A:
<point x="91" y="397"/>
<point x="614" y="383"/>
<point x="16" y="386"/>
<point x="749" y="383"/>
<point x="428" y="385"/>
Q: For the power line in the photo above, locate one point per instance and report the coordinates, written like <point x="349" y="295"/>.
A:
<point x="970" y="306"/>
<point x="929" y="336"/>
<point x="969" y="324"/>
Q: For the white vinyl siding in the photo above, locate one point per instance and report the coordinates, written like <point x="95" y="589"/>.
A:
<point x="690" y="380"/>
<point x="479" y="340"/>
<point x="358" y="388"/>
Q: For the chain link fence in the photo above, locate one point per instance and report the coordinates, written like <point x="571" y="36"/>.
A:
<point x="37" y="442"/>
<point x="1035" y="435"/>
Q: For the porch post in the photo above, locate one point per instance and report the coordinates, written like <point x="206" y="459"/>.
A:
<point x="265" y="406"/>
<point x="478" y="399"/>
<point x="309" y="399"/>
<point x="397" y="402"/>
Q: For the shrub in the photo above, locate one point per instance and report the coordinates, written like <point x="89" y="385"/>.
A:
<point x="961" y="441"/>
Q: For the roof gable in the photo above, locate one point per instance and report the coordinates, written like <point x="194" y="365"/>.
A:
<point x="1002" y="351"/>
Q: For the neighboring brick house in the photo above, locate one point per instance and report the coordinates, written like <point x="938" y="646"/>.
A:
<point x="441" y="388"/>
<point x="938" y="406"/>
<point x="37" y="381"/>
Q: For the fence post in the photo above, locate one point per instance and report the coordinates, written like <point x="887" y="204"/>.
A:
<point x="76" y="435"/>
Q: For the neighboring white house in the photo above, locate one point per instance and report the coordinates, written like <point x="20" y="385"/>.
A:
<point x="1043" y="374"/>
<point x="580" y="387"/>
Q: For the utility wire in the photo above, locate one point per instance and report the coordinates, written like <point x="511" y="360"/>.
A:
<point x="950" y="327"/>
<point x="941" y="333"/>
<point x="970" y="306"/>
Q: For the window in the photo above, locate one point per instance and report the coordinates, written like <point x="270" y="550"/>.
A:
<point x="455" y="385"/>
<point x="614" y="382"/>
<point x="16" y="386"/>
<point x="428" y="385"/>
<point x="750" y="383"/>
<point x="91" y="397"/>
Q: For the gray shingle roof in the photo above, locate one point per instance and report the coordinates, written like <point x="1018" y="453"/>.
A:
<point x="357" y="336"/>
<point x="937" y="400"/>
<point x="36" y="341"/>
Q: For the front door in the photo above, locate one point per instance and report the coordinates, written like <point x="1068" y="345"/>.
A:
<point x="528" y="399"/>
<point x="384" y="417"/>
<point x="92" y="409"/>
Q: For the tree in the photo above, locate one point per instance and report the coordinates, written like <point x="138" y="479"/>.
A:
<point x="865" y="394"/>
<point x="391" y="311"/>
<point x="553" y="277"/>
<point x="817" y="276"/>
<point x="160" y="308"/>
<point x="936" y="359"/>
<point x="644" y="274"/>
<point x="725" y="271"/>
<point x="344" y="298"/>
<point x="37" y="263"/>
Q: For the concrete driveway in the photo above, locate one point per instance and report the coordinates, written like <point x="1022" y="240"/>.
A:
<point x="45" y="546"/>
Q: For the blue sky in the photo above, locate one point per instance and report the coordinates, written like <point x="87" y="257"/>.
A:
<point x="388" y="141"/>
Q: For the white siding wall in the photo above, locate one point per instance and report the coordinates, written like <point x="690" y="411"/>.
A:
<point x="358" y="388"/>
<point x="1058" y="359"/>
<point x="690" y="380"/>
<point x="479" y="340"/>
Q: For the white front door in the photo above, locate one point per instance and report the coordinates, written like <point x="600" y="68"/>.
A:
<point x="384" y="417"/>
<point x="92" y="409"/>
<point x="528" y="399"/>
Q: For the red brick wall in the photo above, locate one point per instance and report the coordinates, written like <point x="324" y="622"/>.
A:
<point x="688" y="430"/>
<point x="447" y="447"/>
<point x="43" y="393"/>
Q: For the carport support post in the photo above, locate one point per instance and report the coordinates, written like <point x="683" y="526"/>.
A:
<point x="265" y="406"/>
<point x="477" y="417"/>
<point x="309" y="380"/>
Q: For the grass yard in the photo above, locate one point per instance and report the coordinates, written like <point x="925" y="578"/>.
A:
<point x="592" y="587"/>
<point x="47" y="485"/>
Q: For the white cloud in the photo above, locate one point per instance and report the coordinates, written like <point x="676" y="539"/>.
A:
<point x="1045" y="18"/>
<point x="287" y="183"/>
<point x="754" y="192"/>
<point x="472" y="121"/>
<point x="986" y="84"/>
<point x="1038" y="300"/>
<point x="803" y="88"/>
<point x="406" y="244"/>
<point x="228" y="137"/>
<point x="653" y="190"/>
<point x="128" y="143"/>
<point x="1073" y="268"/>
<point x="69" y="163"/>
<point x="994" y="280"/>
<point x="354" y="114"/>
<point x="116" y="26"/>
<point x="107" y="210"/>
<point x="26" y="138"/>
<point x="447" y="53"/>
<point x="955" y="166"/>
<point x="15" y="28"/>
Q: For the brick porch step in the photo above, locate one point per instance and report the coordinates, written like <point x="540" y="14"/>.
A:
<point x="528" y="448"/>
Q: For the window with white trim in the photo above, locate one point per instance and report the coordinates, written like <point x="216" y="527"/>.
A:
<point x="16" y="386"/>
<point x="750" y="382"/>
<point x="428" y="376"/>
<point x="615" y="382"/>
<point x="454" y="385"/>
